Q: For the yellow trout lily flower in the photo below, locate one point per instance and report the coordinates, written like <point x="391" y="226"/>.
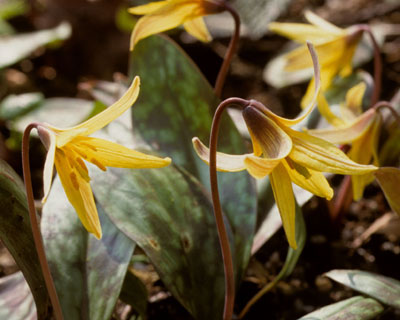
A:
<point x="168" y="14"/>
<point x="335" y="48"/>
<point x="355" y="127"/>
<point x="286" y="156"/>
<point x="68" y="148"/>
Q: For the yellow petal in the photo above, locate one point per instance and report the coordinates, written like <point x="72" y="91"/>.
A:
<point x="322" y="24"/>
<point x="273" y="141"/>
<point x="79" y="193"/>
<point x="105" y="153"/>
<point x="308" y="179"/>
<point x="148" y="8"/>
<point x="225" y="162"/>
<point x="169" y="16"/>
<point x="321" y="155"/>
<point x="257" y="151"/>
<point x="354" y="99"/>
<point x="284" y="198"/>
<point x="102" y="119"/>
<point x="300" y="32"/>
<point x="48" y="165"/>
<point x="198" y="29"/>
<point x="389" y="180"/>
<point x="326" y="112"/>
<point x="260" y="167"/>
<point x="348" y="133"/>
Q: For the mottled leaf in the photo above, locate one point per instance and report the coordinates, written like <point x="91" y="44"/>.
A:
<point x="175" y="104"/>
<point x="88" y="273"/>
<point x="166" y="212"/>
<point x="16" y="234"/>
<point x="356" y="308"/>
<point x="16" y="301"/>
<point x="383" y="289"/>
<point x="14" y="106"/>
<point x="15" y="48"/>
<point x="389" y="180"/>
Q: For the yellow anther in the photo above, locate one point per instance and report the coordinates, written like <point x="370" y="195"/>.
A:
<point x="98" y="164"/>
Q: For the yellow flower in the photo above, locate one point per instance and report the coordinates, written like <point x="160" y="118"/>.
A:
<point x="286" y="156"/>
<point x="355" y="127"/>
<point x="168" y="14"/>
<point x="335" y="48"/>
<point x="68" y="148"/>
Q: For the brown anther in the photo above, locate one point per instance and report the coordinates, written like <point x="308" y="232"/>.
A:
<point x="74" y="180"/>
<point x="98" y="164"/>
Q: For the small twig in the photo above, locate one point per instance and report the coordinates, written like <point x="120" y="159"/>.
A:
<point x="222" y="234"/>
<point x="231" y="50"/>
<point x="37" y="237"/>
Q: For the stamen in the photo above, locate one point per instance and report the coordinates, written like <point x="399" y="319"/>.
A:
<point x="82" y="169"/>
<point x="98" y="164"/>
<point x="74" y="180"/>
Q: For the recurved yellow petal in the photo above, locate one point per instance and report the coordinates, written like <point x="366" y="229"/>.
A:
<point x="349" y="132"/>
<point x="102" y="119"/>
<point x="198" y="29"/>
<point x="321" y="155"/>
<point x="168" y="16"/>
<point x="326" y="112"/>
<point x="79" y="193"/>
<point x="105" y="153"/>
<point x="284" y="198"/>
<point x="148" y="8"/>
<point x="323" y="24"/>
<point x="260" y="167"/>
<point x="389" y="180"/>
<point x="299" y="32"/>
<point x="353" y="103"/>
<point x="225" y="162"/>
<point x="308" y="179"/>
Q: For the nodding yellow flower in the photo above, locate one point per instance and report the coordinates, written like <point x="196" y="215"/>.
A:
<point x="68" y="148"/>
<point x="355" y="127"/>
<point x="335" y="48"/>
<point x="168" y="14"/>
<point x="286" y="156"/>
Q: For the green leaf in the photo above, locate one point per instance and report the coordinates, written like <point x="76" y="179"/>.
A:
<point x="356" y="308"/>
<point x="175" y="104"/>
<point x="14" y="106"/>
<point x="383" y="289"/>
<point x="17" y="47"/>
<point x="88" y="273"/>
<point x="16" y="301"/>
<point x="166" y="212"/>
<point x="16" y="234"/>
<point x="12" y="8"/>
<point x="134" y="292"/>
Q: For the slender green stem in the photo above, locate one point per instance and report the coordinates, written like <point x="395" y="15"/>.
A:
<point x="386" y="104"/>
<point x="222" y="234"/>
<point x="231" y="50"/>
<point x="37" y="237"/>
<point x="377" y="65"/>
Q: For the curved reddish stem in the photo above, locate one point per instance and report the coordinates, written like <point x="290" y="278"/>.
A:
<point x="37" y="237"/>
<point x="222" y="234"/>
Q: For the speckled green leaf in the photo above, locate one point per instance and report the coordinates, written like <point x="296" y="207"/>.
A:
<point x="16" y="234"/>
<point x="356" y="308"/>
<point x="88" y="273"/>
<point x="16" y="300"/>
<point x="175" y="104"/>
<point x="383" y="289"/>
<point x="166" y="212"/>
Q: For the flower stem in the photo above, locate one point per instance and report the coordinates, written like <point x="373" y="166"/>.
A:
<point x="37" y="237"/>
<point x="222" y="234"/>
<point x="377" y="65"/>
<point x="231" y="50"/>
<point x="385" y="104"/>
